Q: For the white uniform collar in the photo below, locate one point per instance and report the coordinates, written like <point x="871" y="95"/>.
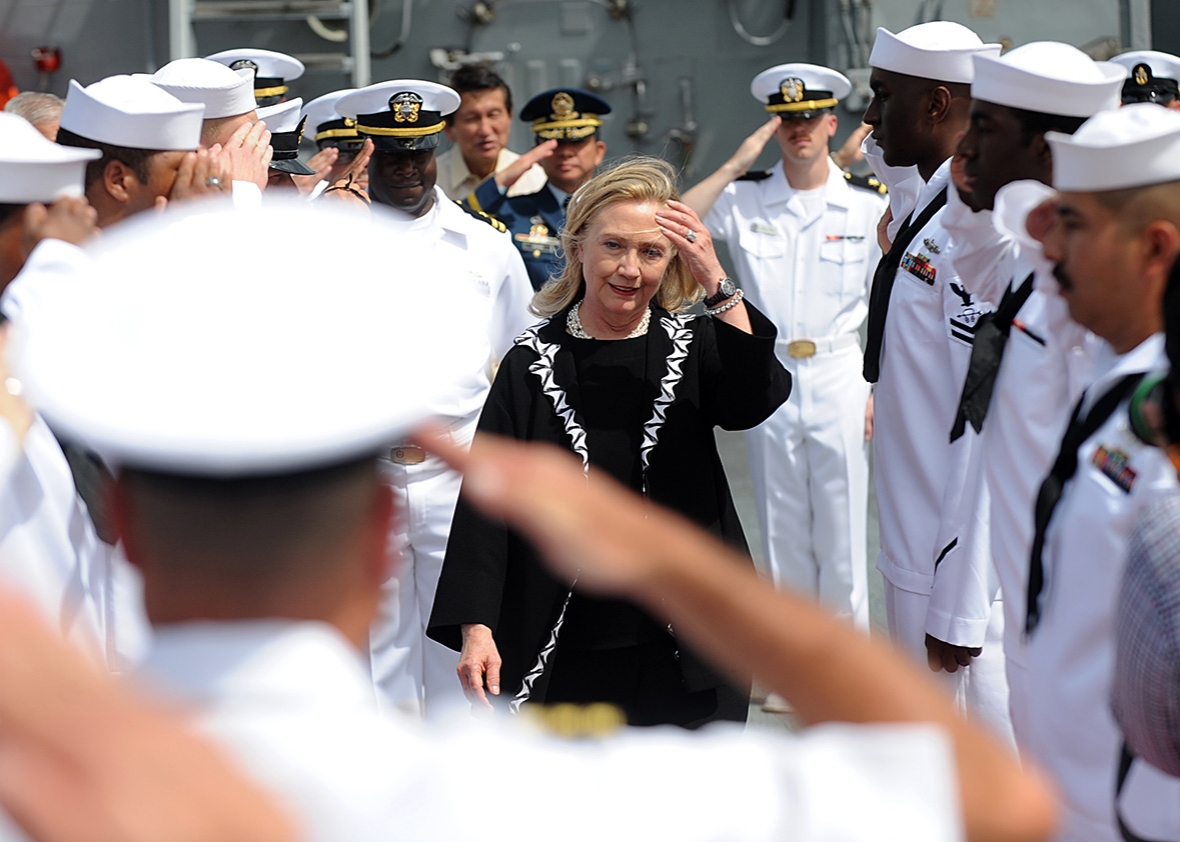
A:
<point x="258" y="661"/>
<point x="1148" y="355"/>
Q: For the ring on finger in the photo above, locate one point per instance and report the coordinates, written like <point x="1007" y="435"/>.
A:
<point x="691" y="236"/>
<point x="213" y="182"/>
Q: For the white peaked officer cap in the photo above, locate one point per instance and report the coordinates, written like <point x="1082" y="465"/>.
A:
<point x="939" y="50"/>
<point x="164" y="361"/>
<point x="283" y="117"/>
<point x="1165" y="65"/>
<point x="132" y="112"/>
<point x="799" y="88"/>
<point x="223" y="92"/>
<point x="266" y="64"/>
<point x="1048" y="77"/>
<point x="34" y="168"/>
<point x="402" y="115"/>
<point x="1133" y="146"/>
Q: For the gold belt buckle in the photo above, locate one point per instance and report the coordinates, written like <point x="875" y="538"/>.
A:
<point x="407" y="454"/>
<point x="801" y="349"/>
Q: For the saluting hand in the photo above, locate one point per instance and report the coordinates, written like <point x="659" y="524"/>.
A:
<point x="752" y="147"/>
<point x="322" y="162"/>
<point x="247" y="154"/>
<point x="515" y="171"/>
<point x="70" y="219"/>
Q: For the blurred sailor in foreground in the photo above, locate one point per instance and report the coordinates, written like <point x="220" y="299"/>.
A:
<point x="47" y="545"/>
<point x="259" y="520"/>
<point x="805" y="248"/>
<point x="404" y="120"/>
<point x="565" y="122"/>
<point x="1115" y="239"/>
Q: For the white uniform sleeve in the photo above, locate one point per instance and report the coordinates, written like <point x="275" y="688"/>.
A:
<point x="246" y="196"/>
<point x="836" y="783"/>
<point x="965" y="585"/>
<point x="49" y="271"/>
<point x="982" y="256"/>
<point x="511" y="314"/>
<point x="719" y="219"/>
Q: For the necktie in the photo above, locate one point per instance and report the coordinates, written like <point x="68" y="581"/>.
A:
<point x="883" y="283"/>
<point x="987" y="351"/>
<point x="1064" y="467"/>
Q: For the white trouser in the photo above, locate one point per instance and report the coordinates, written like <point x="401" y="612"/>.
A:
<point x="980" y="689"/>
<point x="410" y="672"/>
<point x="810" y="471"/>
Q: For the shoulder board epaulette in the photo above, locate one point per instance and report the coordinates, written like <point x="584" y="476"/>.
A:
<point x="488" y="218"/>
<point x="753" y="175"/>
<point x="866" y="182"/>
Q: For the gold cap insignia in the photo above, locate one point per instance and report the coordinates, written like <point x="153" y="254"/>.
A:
<point x="791" y="89"/>
<point x="299" y="130"/>
<point x="563" y="105"/>
<point x="349" y="123"/>
<point x="1142" y="74"/>
<point x="405" y="107"/>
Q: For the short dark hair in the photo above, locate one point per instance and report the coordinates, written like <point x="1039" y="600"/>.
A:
<point x="1033" y="123"/>
<point x="250" y="529"/>
<point x="7" y="211"/>
<point x="136" y="159"/>
<point x="478" y="77"/>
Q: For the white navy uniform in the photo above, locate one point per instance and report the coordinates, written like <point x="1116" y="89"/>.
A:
<point x="291" y="701"/>
<point x="919" y="477"/>
<point x="410" y="671"/>
<point x="808" y="265"/>
<point x="86" y="587"/>
<point x="1071" y="651"/>
<point x="1048" y="361"/>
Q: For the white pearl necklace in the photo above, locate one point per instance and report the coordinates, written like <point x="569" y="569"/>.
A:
<point x="573" y="324"/>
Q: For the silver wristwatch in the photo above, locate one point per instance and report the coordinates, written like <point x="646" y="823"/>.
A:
<point x="726" y="289"/>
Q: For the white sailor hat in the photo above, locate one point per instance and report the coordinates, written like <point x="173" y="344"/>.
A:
<point x="130" y="111"/>
<point x="190" y="369"/>
<point x="327" y="127"/>
<point x="1152" y="76"/>
<point x="403" y="115"/>
<point x="938" y="50"/>
<point x="34" y="168"/>
<point x="1048" y="77"/>
<point x="270" y="71"/>
<point x="1133" y="146"/>
<point x="799" y="91"/>
<point x="224" y="92"/>
<point x="286" y="133"/>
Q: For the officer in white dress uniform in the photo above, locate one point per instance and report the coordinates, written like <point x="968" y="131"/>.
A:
<point x="1040" y="368"/>
<point x="259" y="617"/>
<point x="1116" y="237"/>
<point x="803" y="237"/>
<point x="404" y="118"/>
<point x="918" y="356"/>
<point x="329" y="130"/>
<point x="270" y="71"/>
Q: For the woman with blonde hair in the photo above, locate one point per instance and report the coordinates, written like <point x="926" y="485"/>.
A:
<point x="623" y="376"/>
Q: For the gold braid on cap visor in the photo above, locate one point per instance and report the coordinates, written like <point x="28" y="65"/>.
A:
<point x="807" y="105"/>
<point x="349" y="132"/>
<point x="589" y="120"/>
<point x="382" y="131"/>
<point x="278" y="90"/>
